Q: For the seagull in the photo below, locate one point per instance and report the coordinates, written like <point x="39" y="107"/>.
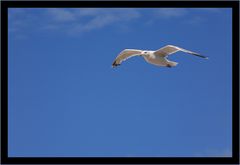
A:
<point x="158" y="57"/>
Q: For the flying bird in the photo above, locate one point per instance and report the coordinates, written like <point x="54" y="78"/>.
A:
<point x="158" y="57"/>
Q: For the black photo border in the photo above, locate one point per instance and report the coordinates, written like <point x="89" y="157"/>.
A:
<point x="119" y="160"/>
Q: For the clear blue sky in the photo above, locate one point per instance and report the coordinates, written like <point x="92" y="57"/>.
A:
<point x="66" y="100"/>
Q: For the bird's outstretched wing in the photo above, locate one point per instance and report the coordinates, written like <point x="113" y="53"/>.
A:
<point x="170" y="49"/>
<point x="124" y="55"/>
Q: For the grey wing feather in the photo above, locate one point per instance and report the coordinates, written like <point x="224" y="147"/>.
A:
<point x="124" y="55"/>
<point x="170" y="49"/>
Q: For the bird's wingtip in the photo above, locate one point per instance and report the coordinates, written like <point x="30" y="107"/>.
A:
<point x="114" y="64"/>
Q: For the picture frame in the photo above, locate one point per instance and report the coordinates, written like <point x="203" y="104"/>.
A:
<point x="234" y="5"/>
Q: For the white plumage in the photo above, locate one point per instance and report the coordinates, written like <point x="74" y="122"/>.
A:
<point x="158" y="57"/>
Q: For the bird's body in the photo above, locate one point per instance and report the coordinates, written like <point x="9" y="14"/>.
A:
<point x="158" y="57"/>
<point x="158" y="60"/>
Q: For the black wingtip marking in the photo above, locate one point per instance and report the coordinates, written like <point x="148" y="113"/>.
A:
<point x="114" y="64"/>
<point x="199" y="55"/>
<point x="205" y="57"/>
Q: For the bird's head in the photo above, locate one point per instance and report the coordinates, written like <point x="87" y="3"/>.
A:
<point x="145" y="52"/>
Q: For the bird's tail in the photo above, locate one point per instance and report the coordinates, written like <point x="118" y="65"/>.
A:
<point x="171" y="63"/>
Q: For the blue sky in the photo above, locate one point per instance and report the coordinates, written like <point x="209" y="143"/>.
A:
<point x="66" y="100"/>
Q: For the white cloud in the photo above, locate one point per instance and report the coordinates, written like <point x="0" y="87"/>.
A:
<point x="171" y="12"/>
<point x="100" y="18"/>
<point x="70" y="21"/>
<point x="88" y="11"/>
<point x="87" y="19"/>
<point x="18" y="20"/>
<point x="80" y="20"/>
<point x="97" y="22"/>
<point x="188" y="16"/>
<point x="180" y="12"/>
<point x="100" y="21"/>
<point x="61" y="15"/>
